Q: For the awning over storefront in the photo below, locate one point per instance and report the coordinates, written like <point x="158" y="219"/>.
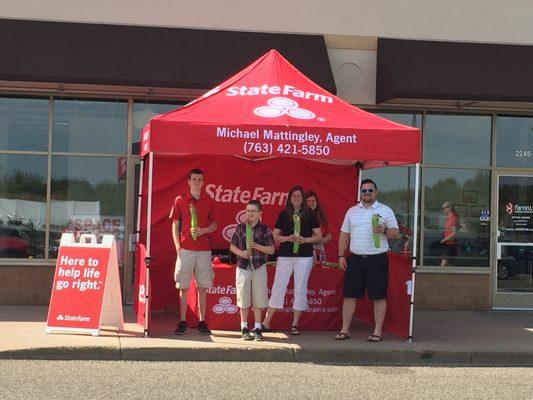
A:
<point x="411" y="69"/>
<point x="57" y="52"/>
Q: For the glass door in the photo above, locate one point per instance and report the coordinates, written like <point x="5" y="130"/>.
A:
<point x="513" y="274"/>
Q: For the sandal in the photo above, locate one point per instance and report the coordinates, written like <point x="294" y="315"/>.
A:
<point x="294" y="330"/>
<point x="342" y="336"/>
<point x="374" y="338"/>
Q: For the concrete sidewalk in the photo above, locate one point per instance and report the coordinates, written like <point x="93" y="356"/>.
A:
<point x="457" y="338"/>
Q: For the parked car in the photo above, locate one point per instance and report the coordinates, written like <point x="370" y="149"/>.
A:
<point x="13" y="244"/>
<point x="514" y="261"/>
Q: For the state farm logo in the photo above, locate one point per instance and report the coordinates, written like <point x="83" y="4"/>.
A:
<point x="239" y="195"/>
<point x="225" y="306"/>
<point x="285" y="90"/>
<point x="509" y="208"/>
<point x="278" y="106"/>
<point x="142" y="294"/>
<point x="80" y="318"/>
<point x="229" y="230"/>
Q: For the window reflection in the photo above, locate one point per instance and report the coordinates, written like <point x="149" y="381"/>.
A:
<point x="404" y="119"/>
<point x="22" y="206"/>
<point x="23" y="124"/>
<point x="396" y="188"/>
<point x="89" y="126"/>
<point x="142" y="112"/>
<point x="515" y="269"/>
<point x="457" y="139"/>
<point x="514" y="142"/>
<point x="88" y="196"/>
<point x="456" y="219"/>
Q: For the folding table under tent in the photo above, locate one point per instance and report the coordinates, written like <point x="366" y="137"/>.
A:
<point x="269" y="111"/>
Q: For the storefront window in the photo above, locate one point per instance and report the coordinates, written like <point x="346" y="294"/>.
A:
<point x="457" y="140"/>
<point x="142" y="112"/>
<point x="456" y="217"/>
<point x="408" y="119"/>
<point x="24" y="124"/>
<point x="88" y="196"/>
<point x="514" y="142"/>
<point x="86" y="126"/>
<point x="396" y="188"/>
<point x="22" y="206"/>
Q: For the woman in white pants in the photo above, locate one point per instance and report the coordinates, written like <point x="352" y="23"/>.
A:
<point x="289" y="262"/>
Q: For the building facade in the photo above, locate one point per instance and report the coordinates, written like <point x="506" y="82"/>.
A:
<point x="78" y="82"/>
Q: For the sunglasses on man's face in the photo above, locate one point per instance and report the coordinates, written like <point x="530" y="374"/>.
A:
<point x="367" y="190"/>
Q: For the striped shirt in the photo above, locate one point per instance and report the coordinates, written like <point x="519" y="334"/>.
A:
<point x="358" y="224"/>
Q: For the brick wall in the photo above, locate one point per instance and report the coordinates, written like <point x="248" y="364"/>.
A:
<point x="26" y="284"/>
<point x="29" y="285"/>
<point x="32" y="285"/>
<point x="452" y="292"/>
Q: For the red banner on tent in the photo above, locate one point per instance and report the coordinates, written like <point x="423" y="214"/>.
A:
<point x="140" y="306"/>
<point x="398" y="298"/>
<point x="232" y="182"/>
<point x="324" y="297"/>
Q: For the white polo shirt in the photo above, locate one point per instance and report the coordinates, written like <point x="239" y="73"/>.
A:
<point x="358" y="223"/>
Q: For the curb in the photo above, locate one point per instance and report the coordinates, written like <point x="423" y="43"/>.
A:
<point x="227" y="354"/>
<point x="64" y="353"/>
<point x="233" y="354"/>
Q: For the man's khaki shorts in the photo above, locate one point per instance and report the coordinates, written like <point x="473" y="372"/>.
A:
<point x="251" y="287"/>
<point x="197" y="262"/>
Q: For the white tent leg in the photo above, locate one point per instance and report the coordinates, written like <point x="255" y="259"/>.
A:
<point x="139" y="203"/>
<point x="415" y="241"/>
<point x="148" y="239"/>
<point x="359" y="180"/>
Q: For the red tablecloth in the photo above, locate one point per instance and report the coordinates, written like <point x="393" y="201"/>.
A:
<point x="324" y="297"/>
<point x="325" y="300"/>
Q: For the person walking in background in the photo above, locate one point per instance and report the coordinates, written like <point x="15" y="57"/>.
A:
<point x="296" y="230"/>
<point x="313" y="203"/>
<point x="193" y="219"/>
<point x="448" y="242"/>
<point x="365" y="230"/>
<point x="251" y="274"/>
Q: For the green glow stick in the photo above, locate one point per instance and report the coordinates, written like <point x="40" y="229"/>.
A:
<point x="248" y="236"/>
<point x="375" y="223"/>
<point x="194" y="219"/>
<point x="297" y="226"/>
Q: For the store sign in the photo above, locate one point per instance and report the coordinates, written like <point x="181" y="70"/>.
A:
<point x="520" y="217"/>
<point x="516" y="208"/>
<point x="484" y="215"/>
<point x="97" y="225"/>
<point x="86" y="288"/>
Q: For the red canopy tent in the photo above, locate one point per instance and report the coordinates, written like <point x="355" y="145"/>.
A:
<point x="273" y="104"/>
<point x="271" y="110"/>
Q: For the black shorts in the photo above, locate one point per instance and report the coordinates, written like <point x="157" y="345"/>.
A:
<point x="370" y="272"/>
<point x="450" y="250"/>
